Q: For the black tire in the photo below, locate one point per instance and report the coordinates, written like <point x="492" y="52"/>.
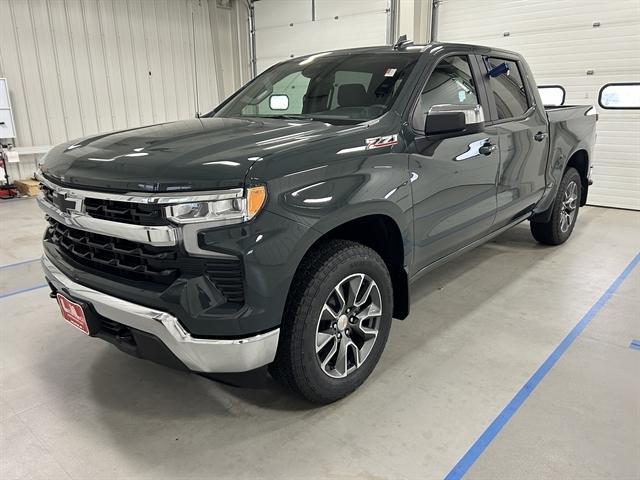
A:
<point x="556" y="231"/>
<point x="297" y="365"/>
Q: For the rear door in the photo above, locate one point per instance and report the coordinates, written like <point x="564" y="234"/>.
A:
<point x="522" y="131"/>
<point x="452" y="183"/>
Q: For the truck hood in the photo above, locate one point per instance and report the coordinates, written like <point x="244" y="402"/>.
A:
<point x="198" y="154"/>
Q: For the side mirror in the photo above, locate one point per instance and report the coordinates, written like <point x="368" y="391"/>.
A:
<point x="454" y="119"/>
<point x="279" y="102"/>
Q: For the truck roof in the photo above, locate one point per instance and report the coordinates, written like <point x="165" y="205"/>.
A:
<point x="411" y="48"/>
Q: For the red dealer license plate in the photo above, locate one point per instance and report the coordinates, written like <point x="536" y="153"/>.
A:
<point x="73" y="313"/>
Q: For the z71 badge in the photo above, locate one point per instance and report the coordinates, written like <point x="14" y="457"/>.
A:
<point x="379" y="142"/>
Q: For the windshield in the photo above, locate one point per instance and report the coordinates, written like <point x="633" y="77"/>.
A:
<point x="339" y="89"/>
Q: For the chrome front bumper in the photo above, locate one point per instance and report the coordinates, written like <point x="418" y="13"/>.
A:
<point x="199" y="355"/>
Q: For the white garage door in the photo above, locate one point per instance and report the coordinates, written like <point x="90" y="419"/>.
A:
<point x="582" y="46"/>
<point x="290" y="28"/>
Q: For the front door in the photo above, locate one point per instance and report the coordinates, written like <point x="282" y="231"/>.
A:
<point x="452" y="182"/>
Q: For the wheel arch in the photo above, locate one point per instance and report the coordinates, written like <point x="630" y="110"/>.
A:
<point x="380" y="232"/>
<point x="580" y="161"/>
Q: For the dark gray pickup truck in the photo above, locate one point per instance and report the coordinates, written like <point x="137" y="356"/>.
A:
<point x="284" y="227"/>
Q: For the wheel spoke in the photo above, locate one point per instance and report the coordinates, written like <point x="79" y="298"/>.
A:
<point x="343" y="302"/>
<point x="371" y="311"/>
<point x="563" y="221"/>
<point x="323" y="339"/>
<point x="356" y="353"/>
<point x="355" y="284"/>
<point x="365" y="296"/>
<point x="341" y="359"/>
<point x="330" y="355"/>
<point x="367" y="332"/>
<point x="330" y="311"/>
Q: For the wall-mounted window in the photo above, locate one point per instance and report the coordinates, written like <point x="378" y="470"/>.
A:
<point x="620" y="96"/>
<point x="552" y="95"/>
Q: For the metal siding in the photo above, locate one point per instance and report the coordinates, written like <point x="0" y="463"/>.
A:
<point x="559" y="41"/>
<point x="80" y="67"/>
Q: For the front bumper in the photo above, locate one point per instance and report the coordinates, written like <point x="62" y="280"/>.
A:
<point x="197" y="354"/>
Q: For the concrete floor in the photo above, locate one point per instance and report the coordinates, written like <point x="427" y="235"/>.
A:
<point x="73" y="407"/>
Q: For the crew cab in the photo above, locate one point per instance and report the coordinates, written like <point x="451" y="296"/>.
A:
<point x="283" y="228"/>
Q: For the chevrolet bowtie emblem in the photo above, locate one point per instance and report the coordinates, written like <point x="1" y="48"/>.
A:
<point x="60" y="201"/>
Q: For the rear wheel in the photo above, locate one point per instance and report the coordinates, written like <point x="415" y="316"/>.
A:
<point x="336" y="322"/>
<point x="565" y="212"/>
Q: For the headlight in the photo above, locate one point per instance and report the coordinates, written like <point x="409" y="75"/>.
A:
<point x="224" y="212"/>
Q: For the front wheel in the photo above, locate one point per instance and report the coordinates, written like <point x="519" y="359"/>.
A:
<point x="565" y="211"/>
<point x="336" y="322"/>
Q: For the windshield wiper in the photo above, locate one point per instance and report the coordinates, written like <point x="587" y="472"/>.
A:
<point x="287" y="117"/>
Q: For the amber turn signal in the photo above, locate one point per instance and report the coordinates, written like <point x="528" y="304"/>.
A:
<point x="256" y="197"/>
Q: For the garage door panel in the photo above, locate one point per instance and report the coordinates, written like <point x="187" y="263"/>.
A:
<point x="276" y="13"/>
<point x="529" y="15"/>
<point x="560" y="42"/>
<point x="358" y="24"/>
<point x="326" y="9"/>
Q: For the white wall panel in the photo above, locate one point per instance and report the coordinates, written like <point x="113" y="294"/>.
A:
<point x="79" y="67"/>
<point x="560" y="42"/>
<point x="285" y="28"/>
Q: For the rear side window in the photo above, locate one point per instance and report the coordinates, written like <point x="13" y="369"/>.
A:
<point x="451" y="83"/>
<point x="508" y="89"/>
<point x="620" y="96"/>
<point x="552" y="95"/>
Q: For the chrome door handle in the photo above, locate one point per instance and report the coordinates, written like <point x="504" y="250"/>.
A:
<point x="487" y="148"/>
<point x="540" y="136"/>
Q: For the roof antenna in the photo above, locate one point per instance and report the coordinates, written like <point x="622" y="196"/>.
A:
<point x="402" y="42"/>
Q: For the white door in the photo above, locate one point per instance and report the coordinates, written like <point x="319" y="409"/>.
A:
<point x="581" y="45"/>
<point x="291" y="28"/>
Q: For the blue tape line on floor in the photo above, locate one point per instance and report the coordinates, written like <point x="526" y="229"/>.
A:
<point x="22" y="290"/>
<point x="512" y="407"/>
<point x="24" y="262"/>
<point x="635" y="344"/>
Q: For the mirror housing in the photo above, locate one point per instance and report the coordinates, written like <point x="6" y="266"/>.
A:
<point x="454" y="119"/>
<point x="279" y="102"/>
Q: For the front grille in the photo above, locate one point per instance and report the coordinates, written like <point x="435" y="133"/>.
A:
<point x="115" y="211"/>
<point x="125" y="212"/>
<point x="137" y="261"/>
<point x="47" y="192"/>
<point x="133" y="261"/>
<point x="226" y="274"/>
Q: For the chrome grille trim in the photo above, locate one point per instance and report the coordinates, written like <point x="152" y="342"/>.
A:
<point x="161" y="236"/>
<point x="142" y="197"/>
<point x="75" y="215"/>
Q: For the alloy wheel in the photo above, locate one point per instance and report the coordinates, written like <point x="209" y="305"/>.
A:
<point x="569" y="206"/>
<point x="348" y="325"/>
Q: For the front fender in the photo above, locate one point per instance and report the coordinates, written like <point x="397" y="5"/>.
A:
<point x="330" y="196"/>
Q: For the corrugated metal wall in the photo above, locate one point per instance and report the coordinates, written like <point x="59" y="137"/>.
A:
<point x="581" y="45"/>
<point x="78" y="67"/>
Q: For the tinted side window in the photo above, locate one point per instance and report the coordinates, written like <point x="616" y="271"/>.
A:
<point x="508" y="89"/>
<point x="451" y="83"/>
